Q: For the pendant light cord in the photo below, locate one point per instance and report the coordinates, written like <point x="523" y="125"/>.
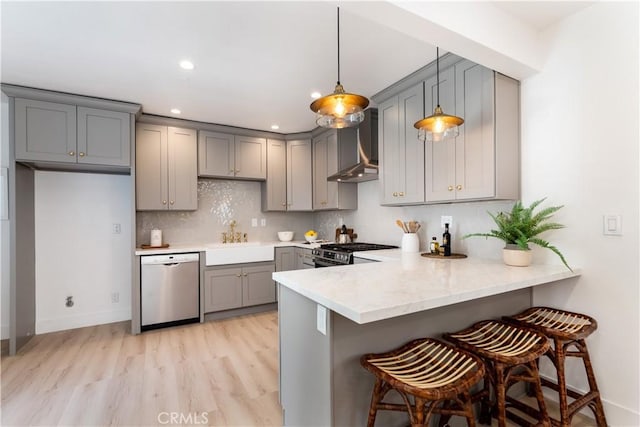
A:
<point x="338" y="45"/>
<point x="438" y="75"/>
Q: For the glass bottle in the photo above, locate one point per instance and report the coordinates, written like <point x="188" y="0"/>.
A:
<point x="446" y="240"/>
<point x="435" y="246"/>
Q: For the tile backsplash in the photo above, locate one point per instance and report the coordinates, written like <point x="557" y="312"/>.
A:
<point x="220" y="202"/>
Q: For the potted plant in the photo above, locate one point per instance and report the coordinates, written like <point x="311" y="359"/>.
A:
<point x="520" y="227"/>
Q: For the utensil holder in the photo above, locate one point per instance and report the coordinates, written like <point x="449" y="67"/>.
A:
<point x="410" y="242"/>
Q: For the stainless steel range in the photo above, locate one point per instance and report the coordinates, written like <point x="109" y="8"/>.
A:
<point x="332" y="254"/>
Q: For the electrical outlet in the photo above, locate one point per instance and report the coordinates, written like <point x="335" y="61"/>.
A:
<point x="446" y="219"/>
<point x="254" y="222"/>
<point x="117" y="228"/>
<point x="115" y="297"/>
<point x="263" y="222"/>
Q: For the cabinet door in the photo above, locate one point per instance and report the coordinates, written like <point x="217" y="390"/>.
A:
<point x="45" y="131"/>
<point x="285" y="259"/>
<point x="320" y="166"/>
<point x="410" y="170"/>
<point x="304" y="259"/>
<point x="299" y="175"/>
<point x="222" y="289"/>
<point x="388" y="149"/>
<point x="182" y="169"/>
<point x="440" y="167"/>
<point x="103" y="137"/>
<point x="257" y="285"/>
<point x="216" y="155"/>
<point x="475" y="145"/>
<point x="250" y="157"/>
<point x="274" y="193"/>
<point x="151" y="167"/>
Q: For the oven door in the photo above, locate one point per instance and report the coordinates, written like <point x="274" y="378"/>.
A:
<point x="323" y="262"/>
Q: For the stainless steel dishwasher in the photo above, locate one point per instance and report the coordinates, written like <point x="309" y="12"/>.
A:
<point x="169" y="290"/>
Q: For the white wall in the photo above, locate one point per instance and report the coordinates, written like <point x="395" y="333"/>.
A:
<point x="77" y="253"/>
<point x="4" y="228"/>
<point x="580" y="147"/>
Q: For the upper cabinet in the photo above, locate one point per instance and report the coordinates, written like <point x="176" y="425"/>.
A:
<point x="299" y="178"/>
<point x="166" y="168"/>
<point x="333" y="150"/>
<point x="222" y="155"/>
<point x="401" y="152"/>
<point x="483" y="161"/>
<point x="57" y="133"/>
<point x="289" y="180"/>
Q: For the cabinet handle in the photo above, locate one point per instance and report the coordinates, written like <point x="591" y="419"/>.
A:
<point x="230" y="170"/>
<point x="245" y="274"/>
<point x="81" y="154"/>
<point x="238" y="275"/>
<point x="171" y="202"/>
<point x="284" y="204"/>
<point x="450" y="188"/>
<point x="458" y="187"/>
<point x="237" y="170"/>
<point x="164" y="202"/>
<point x="401" y="194"/>
<point x="395" y="194"/>
<point x="72" y="153"/>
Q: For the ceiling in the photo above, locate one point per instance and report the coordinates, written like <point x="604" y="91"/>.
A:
<point x="256" y="63"/>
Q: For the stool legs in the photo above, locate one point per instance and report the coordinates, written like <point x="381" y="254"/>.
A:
<point x="558" y="356"/>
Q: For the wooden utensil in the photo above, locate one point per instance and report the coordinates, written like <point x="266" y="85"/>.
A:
<point x="401" y="225"/>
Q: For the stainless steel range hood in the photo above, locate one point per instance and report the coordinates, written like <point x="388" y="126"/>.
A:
<point x="366" y="168"/>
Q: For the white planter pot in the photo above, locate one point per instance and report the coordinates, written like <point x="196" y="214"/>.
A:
<point x="516" y="257"/>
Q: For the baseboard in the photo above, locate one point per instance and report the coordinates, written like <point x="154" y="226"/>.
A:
<point x="617" y="415"/>
<point x="82" y="320"/>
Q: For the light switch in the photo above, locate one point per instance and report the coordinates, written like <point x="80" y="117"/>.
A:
<point x="321" y="319"/>
<point x="612" y="225"/>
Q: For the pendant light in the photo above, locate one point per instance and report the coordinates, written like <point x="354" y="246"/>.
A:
<point x="438" y="126"/>
<point x="340" y="109"/>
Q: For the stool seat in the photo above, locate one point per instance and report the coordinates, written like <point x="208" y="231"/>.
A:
<point x="510" y="354"/>
<point x="436" y="374"/>
<point x="568" y="331"/>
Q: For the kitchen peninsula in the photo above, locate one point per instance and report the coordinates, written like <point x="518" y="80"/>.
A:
<point x="329" y="317"/>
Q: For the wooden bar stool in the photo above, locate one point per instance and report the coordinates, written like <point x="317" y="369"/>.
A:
<point x="566" y="329"/>
<point x="436" y="374"/>
<point x="510" y="355"/>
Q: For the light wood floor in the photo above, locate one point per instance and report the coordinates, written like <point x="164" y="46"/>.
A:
<point x="102" y="375"/>
<point x="218" y="373"/>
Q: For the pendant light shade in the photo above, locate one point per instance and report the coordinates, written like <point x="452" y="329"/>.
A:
<point x="438" y="126"/>
<point x="340" y="109"/>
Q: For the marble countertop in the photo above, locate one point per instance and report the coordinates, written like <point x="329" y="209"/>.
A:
<point x="405" y="283"/>
<point x="201" y="247"/>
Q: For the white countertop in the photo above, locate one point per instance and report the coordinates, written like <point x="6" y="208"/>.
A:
<point x="406" y="283"/>
<point x="201" y="247"/>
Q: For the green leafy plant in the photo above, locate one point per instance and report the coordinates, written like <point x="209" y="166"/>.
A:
<point x="522" y="226"/>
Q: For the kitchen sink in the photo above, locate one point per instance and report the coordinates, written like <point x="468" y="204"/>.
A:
<point x="238" y="253"/>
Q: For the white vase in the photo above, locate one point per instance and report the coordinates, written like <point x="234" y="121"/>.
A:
<point x="512" y="255"/>
<point x="410" y="242"/>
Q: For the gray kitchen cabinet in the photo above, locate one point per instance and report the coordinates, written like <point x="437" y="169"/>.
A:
<point x="222" y="289"/>
<point x="274" y="189"/>
<point x="223" y="155"/>
<point x="483" y="161"/>
<point x="64" y="133"/>
<point x="401" y="152"/>
<point x="304" y="259"/>
<point x="285" y="258"/>
<point x="334" y="150"/>
<point x="166" y="168"/>
<point x="299" y="175"/>
<point x="227" y="288"/>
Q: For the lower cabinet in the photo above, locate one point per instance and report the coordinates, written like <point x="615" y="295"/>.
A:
<point x="304" y="259"/>
<point x="226" y="288"/>
<point x="285" y="258"/>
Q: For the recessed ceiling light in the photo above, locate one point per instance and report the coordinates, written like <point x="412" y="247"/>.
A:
<point x="187" y="65"/>
<point x="275" y="127"/>
<point x="175" y="111"/>
<point x="315" y="95"/>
